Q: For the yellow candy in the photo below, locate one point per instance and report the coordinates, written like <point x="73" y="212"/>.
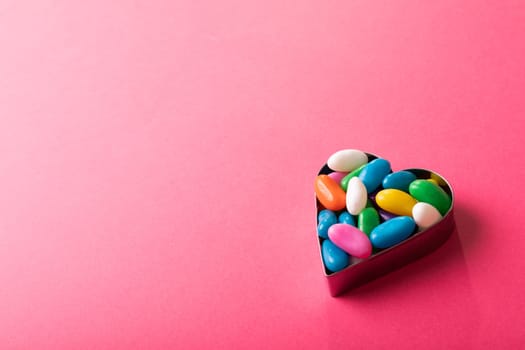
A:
<point x="438" y="179"/>
<point x="395" y="202"/>
<point x="434" y="181"/>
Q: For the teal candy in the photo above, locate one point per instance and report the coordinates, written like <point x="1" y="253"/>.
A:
<point x="346" y="218"/>
<point x="325" y="219"/>
<point x="334" y="258"/>
<point x="373" y="173"/>
<point x="392" y="232"/>
<point x="400" y="180"/>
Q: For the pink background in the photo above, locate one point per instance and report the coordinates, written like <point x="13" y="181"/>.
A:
<point x="158" y="157"/>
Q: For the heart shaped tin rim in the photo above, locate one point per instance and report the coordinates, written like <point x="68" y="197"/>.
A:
<point x="380" y="263"/>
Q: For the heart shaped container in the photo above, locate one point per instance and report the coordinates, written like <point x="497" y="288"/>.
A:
<point x="416" y="246"/>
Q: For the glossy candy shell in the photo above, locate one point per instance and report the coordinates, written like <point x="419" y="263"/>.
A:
<point x="334" y="257"/>
<point x="395" y="201"/>
<point x="399" y="180"/>
<point x="329" y="193"/>
<point x="373" y="174"/>
<point x="367" y="220"/>
<point x="325" y="219"/>
<point x="346" y="218"/>
<point x="350" y="239"/>
<point x="428" y="192"/>
<point x="392" y="232"/>
<point x="346" y="179"/>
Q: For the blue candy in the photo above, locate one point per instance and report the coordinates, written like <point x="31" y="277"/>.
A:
<point x="325" y="219"/>
<point x="392" y="232"/>
<point x="334" y="258"/>
<point x="373" y="174"/>
<point x="346" y="218"/>
<point x="399" y="180"/>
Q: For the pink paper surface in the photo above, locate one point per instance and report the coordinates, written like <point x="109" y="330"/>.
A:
<point x="158" y="157"/>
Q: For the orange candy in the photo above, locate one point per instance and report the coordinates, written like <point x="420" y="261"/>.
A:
<point x="329" y="193"/>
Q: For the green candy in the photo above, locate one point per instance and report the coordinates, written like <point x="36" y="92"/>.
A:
<point x="426" y="191"/>
<point x="367" y="220"/>
<point x="345" y="180"/>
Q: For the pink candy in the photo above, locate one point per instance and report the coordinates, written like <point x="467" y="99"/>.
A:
<point x="351" y="240"/>
<point x="337" y="176"/>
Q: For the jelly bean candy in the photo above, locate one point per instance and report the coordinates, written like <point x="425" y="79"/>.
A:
<point x="433" y="181"/>
<point x="329" y="193"/>
<point x="346" y="218"/>
<point x="350" y="239"/>
<point x="347" y="178"/>
<point x="373" y="174"/>
<point x="391" y="232"/>
<point x="325" y="219"/>
<point x="337" y="176"/>
<point x="425" y="191"/>
<point x="400" y="180"/>
<point x="386" y="215"/>
<point x="438" y="179"/>
<point x="425" y="215"/>
<point x="334" y="258"/>
<point x="356" y="198"/>
<point x="395" y="201"/>
<point x="367" y="220"/>
<point x="347" y="160"/>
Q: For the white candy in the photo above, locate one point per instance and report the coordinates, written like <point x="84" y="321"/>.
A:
<point x="425" y="215"/>
<point x="356" y="196"/>
<point x="347" y="160"/>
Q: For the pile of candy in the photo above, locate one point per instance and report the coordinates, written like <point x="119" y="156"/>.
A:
<point x="388" y="207"/>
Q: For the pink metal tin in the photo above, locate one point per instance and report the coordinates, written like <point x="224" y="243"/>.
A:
<point x="382" y="262"/>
